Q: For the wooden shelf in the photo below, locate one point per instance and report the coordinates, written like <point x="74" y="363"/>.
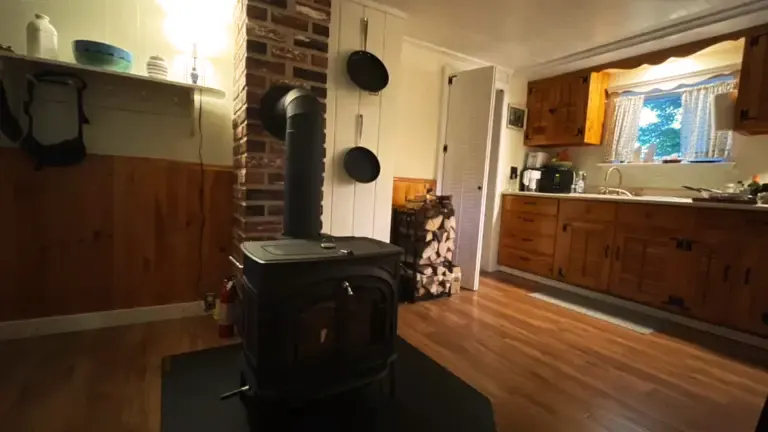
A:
<point x="206" y="91"/>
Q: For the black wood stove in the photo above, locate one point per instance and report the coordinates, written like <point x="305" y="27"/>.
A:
<point x="317" y="315"/>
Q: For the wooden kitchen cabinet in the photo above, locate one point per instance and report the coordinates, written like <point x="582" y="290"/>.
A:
<point x="584" y="243"/>
<point x="748" y="302"/>
<point x="645" y="266"/>
<point x="566" y="110"/>
<point x="752" y="99"/>
<point x="527" y="237"/>
<point x="583" y="254"/>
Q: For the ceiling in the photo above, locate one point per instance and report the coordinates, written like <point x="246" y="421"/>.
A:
<point x="523" y="33"/>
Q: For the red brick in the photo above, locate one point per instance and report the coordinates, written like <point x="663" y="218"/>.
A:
<point x="320" y="61"/>
<point x="257" y="13"/>
<point x="313" y="12"/>
<point x="290" y="53"/>
<point x="255" y="81"/>
<point x="321" y="30"/>
<point x="251" y="177"/>
<point x="275" y="178"/>
<point x="290" y="21"/>
<point x="275" y="210"/>
<point x="279" y="3"/>
<point x="260" y="65"/>
<point x="257" y="30"/>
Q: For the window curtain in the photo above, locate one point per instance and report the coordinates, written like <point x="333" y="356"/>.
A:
<point x="621" y="126"/>
<point x="697" y="137"/>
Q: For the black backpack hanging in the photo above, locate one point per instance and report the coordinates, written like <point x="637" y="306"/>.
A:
<point x="65" y="153"/>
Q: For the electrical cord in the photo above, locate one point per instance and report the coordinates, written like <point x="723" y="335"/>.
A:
<point x="201" y="196"/>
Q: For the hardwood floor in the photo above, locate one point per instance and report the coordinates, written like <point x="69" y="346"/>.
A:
<point x="544" y="367"/>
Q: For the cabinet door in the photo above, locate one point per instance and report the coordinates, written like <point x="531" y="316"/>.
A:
<point x="707" y="271"/>
<point x="749" y="300"/>
<point x="583" y="254"/>
<point x="570" y="110"/>
<point x="539" y="117"/>
<point x="752" y="101"/>
<point x="645" y="265"/>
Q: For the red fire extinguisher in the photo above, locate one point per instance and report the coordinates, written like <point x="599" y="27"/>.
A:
<point x="225" y="306"/>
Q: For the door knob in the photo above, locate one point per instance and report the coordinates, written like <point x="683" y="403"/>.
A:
<point x="479" y="188"/>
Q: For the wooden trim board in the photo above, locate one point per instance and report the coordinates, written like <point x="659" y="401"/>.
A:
<point x="699" y="325"/>
<point x="96" y="320"/>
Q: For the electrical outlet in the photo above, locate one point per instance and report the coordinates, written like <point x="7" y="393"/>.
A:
<point x="209" y="302"/>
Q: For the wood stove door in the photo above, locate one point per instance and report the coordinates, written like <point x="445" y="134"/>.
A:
<point x="339" y="318"/>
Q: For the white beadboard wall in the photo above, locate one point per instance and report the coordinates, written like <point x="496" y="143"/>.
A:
<point x="131" y="118"/>
<point x="351" y="208"/>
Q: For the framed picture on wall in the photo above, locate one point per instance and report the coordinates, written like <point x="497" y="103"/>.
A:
<point x="515" y="117"/>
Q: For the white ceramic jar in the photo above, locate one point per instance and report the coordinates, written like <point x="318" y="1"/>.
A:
<point x="42" y="38"/>
<point x="157" y="67"/>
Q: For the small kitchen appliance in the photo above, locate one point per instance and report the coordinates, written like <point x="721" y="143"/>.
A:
<point x="536" y="160"/>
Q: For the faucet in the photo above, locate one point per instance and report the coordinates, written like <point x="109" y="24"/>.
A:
<point x="617" y="190"/>
<point x="608" y="174"/>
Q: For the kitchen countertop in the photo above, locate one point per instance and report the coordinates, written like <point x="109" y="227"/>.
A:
<point x="664" y="200"/>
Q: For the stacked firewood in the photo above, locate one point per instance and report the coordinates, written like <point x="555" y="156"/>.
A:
<point x="432" y="232"/>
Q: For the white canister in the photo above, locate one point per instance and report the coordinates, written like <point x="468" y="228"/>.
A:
<point x="157" y="67"/>
<point x="42" y="38"/>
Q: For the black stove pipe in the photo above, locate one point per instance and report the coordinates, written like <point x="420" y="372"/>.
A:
<point x="295" y="114"/>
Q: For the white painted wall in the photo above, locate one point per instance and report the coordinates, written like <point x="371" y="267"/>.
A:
<point x="130" y="118"/>
<point x="422" y="116"/>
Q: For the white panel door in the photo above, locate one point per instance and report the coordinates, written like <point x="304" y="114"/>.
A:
<point x="465" y="172"/>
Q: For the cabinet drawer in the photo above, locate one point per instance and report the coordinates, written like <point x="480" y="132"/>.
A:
<point x="529" y="223"/>
<point x="544" y="245"/>
<point x="526" y="261"/>
<point x="587" y="211"/>
<point x="533" y="205"/>
<point x="659" y="216"/>
<point x="719" y="220"/>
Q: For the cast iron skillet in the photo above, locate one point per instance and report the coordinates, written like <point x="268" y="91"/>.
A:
<point x="365" y="69"/>
<point x="361" y="164"/>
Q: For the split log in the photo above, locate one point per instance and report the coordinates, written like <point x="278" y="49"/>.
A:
<point x="449" y="255"/>
<point x="429" y="236"/>
<point x="450" y="223"/>
<point x="426" y="270"/>
<point x="452" y="233"/>
<point x="434" y="223"/>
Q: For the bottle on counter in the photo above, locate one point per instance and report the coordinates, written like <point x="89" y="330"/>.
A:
<point x="581" y="182"/>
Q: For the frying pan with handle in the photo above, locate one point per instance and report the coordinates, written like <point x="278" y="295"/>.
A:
<point x="365" y="69"/>
<point x="361" y="164"/>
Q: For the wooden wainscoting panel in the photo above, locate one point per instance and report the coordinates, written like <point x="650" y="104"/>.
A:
<point x="110" y="233"/>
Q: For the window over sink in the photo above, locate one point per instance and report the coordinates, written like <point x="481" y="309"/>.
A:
<point x="668" y="124"/>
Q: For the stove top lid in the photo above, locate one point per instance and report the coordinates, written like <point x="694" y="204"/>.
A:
<point x="299" y="250"/>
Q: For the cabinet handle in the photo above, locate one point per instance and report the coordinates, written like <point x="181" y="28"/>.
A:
<point x="524" y="259"/>
<point x="560" y="272"/>
<point x="618" y="252"/>
<point x="526" y="219"/>
<point x="726" y="273"/>
<point x="565" y="227"/>
<point x="527" y="240"/>
<point x="607" y="251"/>
<point x="747" y="276"/>
<point x="529" y="203"/>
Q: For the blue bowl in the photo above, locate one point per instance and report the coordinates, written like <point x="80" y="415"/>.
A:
<point x="102" y="55"/>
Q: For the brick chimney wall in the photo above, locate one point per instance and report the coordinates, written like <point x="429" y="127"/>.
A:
<point x="276" y="42"/>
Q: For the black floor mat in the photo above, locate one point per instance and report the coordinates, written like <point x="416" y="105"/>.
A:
<point x="428" y="398"/>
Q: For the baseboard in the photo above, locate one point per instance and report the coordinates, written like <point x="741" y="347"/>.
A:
<point x="95" y="320"/>
<point x="699" y="325"/>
